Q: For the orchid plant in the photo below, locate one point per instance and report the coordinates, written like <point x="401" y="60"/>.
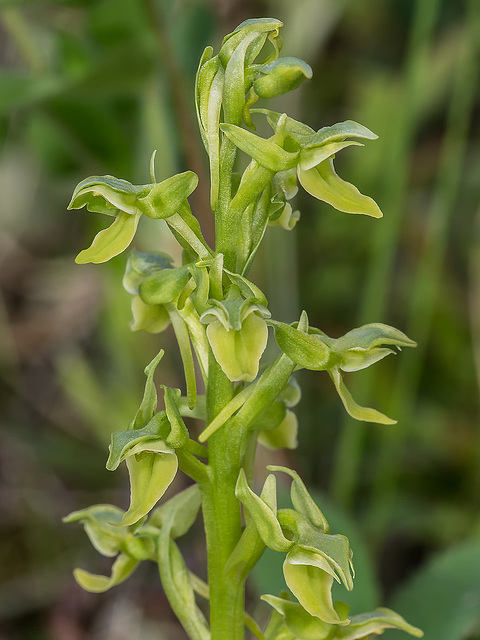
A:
<point x="221" y="319"/>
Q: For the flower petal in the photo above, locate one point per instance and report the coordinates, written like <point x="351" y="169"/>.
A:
<point x="323" y="183"/>
<point x="111" y="241"/>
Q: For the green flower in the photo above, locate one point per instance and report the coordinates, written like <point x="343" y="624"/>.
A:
<point x="315" y="557"/>
<point x="237" y="333"/>
<point x="312" y="349"/>
<point x="312" y="154"/>
<point x="127" y="203"/>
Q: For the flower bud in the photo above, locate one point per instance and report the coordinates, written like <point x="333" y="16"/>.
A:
<point x="281" y="76"/>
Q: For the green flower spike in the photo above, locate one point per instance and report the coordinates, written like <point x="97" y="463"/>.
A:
<point x="238" y="334"/>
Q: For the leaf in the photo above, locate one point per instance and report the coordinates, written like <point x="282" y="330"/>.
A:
<point x="268" y="154"/>
<point x="443" y="597"/>
<point x="293" y="127"/>
<point x="307" y="351"/>
<point x="259" y="26"/>
<point x="323" y="183"/>
<point x="122" y="568"/>
<point x="109" y="242"/>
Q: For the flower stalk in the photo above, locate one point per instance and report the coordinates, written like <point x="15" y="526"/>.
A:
<point x="221" y="323"/>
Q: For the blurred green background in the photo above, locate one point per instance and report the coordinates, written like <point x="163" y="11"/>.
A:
<point x="92" y="87"/>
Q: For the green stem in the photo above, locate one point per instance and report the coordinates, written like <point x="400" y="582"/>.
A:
<point x="225" y="223"/>
<point x="221" y="513"/>
<point x="192" y="467"/>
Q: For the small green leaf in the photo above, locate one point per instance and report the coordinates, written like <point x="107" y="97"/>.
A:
<point x="208" y="100"/>
<point x="366" y="414"/>
<point x="109" y="242"/>
<point x="296" y="129"/>
<point x="183" y="339"/>
<point x="263" y="515"/>
<point x="323" y="183"/>
<point x="267" y="153"/>
<point x="307" y="351"/>
<point x="122" y="568"/>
